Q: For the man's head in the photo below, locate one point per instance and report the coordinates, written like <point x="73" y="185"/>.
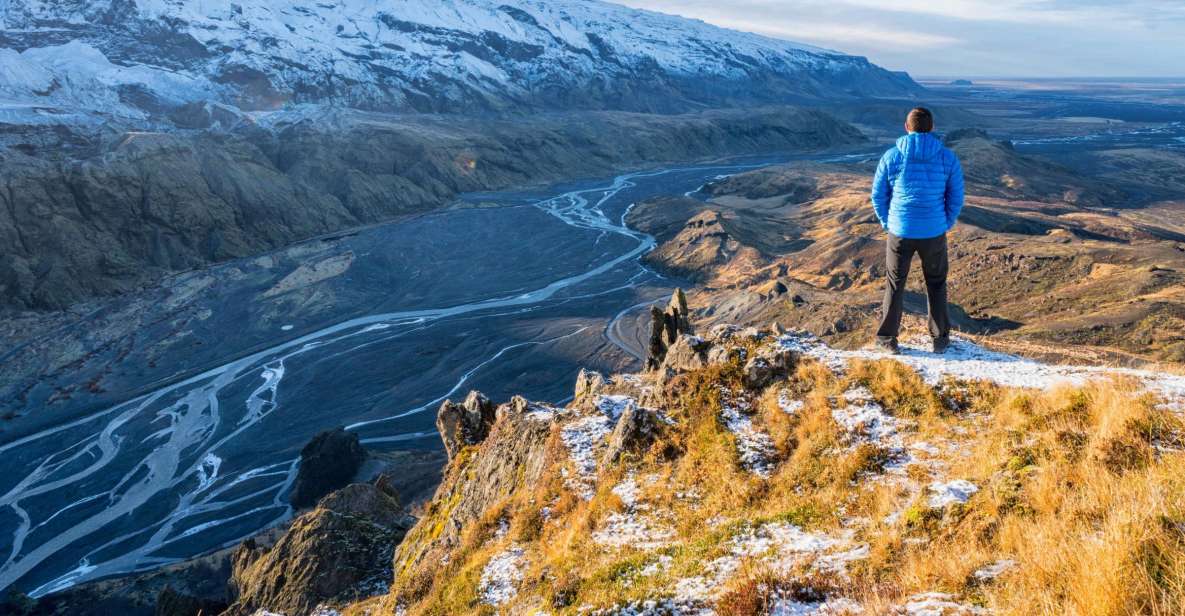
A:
<point x="919" y="120"/>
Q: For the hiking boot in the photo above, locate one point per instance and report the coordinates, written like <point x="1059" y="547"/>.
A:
<point x="889" y="345"/>
<point x="941" y="344"/>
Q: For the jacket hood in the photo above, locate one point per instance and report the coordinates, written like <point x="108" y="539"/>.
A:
<point x="919" y="146"/>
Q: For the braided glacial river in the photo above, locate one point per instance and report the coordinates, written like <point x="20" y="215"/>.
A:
<point x="186" y="434"/>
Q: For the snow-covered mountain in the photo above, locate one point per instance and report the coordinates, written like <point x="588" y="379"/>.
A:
<point x="145" y="58"/>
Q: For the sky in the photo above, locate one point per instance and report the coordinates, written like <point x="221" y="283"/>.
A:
<point x="970" y="38"/>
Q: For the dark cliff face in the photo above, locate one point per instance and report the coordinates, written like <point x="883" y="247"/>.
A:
<point x="141" y="205"/>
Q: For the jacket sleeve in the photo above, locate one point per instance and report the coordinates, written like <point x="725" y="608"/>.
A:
<point x="954" y="192"/>
<point x="882" y="191"/>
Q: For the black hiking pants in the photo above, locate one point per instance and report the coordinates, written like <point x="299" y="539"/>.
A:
<point x="899" y="253"/>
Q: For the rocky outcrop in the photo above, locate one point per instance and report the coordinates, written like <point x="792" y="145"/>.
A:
<point x="666" y="326"/>
<point x="464" y="424"/>
<point x="634" y="431"/>
<point x="327" y="463"/>
<point x="337" y="553"/>
<point x="511" y="455"/>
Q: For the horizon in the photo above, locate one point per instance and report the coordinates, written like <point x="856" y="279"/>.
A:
<point x="1007" y="39"/>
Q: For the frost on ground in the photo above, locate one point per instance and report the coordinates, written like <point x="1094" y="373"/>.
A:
<point x="994" y="570"/>
<point x="864" y="419"/>
<point x="755" y="448"/>
<point x="501" y="576"/>
<point x="614" y="406"/>
<point x="781" y="546"/>
<point x="788" y="404"/>
<point x="958" y="491"/>
<point x="938" y="604"/>
<point x="582" y="437"/>
<point x="833" y="607"/>
<point x="632" y="527"/>
<point x="968" y="361"/>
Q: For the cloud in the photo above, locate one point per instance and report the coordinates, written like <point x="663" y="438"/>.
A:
<point x="833" y="33"/>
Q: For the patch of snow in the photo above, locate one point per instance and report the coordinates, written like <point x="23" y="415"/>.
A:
<point x="582" y="437"/>
<point x="994" y="570"/>
<point x="286" y="328"/>
<point x="968" y="361"/>
<point x="542" y="412"/>
<point x="659" y="565"/>
<point x="865" y="420"/>
<point x="958" y="491"/>
<point x="614" y="406"/>
<point x="501" y="576"/>
<point x="632" y="528"/>
<point x="938" y="604"/>
<point x="754" y="447"/>
<point x="831" y="607"/>
<point x="789" y="405"/>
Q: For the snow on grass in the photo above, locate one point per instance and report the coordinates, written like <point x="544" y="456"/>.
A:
<point x="663" y="607"/>
<point x="968" y="361"/>
<point x="864" y="420"/>
<point x="582" y="437"/>
<point x="659" y="565"/>
<point x="831" y="607"/>
<point x="994" y="570"/>
<point x="501" y="576"/>
<point x="789" y="405"/>
<point x="754" y="447"/>
<point x="782" y="546"/>
<point x="944" y="494"/>
<point x="938" y="604"/>
<point x="614" y="406"/>
<point x="542" y="412"/>
<point x="632" y="527"/>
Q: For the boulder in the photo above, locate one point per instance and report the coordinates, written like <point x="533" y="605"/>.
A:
<point x="588" y="383"/>
<point x="635" y="430"/>
<point x="327" y="462"/>
<point x="464" y="424"/>
<point x="725" y="353"/>
<point x="763" y="368"/>
<point x="687" y="354"/>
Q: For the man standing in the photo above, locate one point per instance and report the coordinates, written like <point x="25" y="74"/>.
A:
<point x="917" y="194"/>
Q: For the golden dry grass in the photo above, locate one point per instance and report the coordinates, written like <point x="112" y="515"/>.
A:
<point x="1082" y="488"/>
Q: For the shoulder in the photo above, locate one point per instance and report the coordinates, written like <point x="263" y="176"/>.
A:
<point x="892" y="155"/>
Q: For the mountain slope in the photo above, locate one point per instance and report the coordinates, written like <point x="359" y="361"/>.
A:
<point x="138" y="58"/>
<point x="772" y="475"/>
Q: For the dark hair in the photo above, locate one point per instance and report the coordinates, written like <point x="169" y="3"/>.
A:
<point x="920" y="120"/>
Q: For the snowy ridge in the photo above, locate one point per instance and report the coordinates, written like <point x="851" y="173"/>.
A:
<point x="968" y="361"/>
<point x="149" y="56"/>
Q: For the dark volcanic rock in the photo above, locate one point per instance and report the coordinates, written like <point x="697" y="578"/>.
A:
<point x="327" y="463"/>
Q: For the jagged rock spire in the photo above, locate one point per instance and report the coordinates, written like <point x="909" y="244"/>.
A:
<point x="665" y="328"/>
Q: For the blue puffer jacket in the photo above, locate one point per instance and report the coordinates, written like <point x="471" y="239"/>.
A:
<point x="918" y="190"/>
